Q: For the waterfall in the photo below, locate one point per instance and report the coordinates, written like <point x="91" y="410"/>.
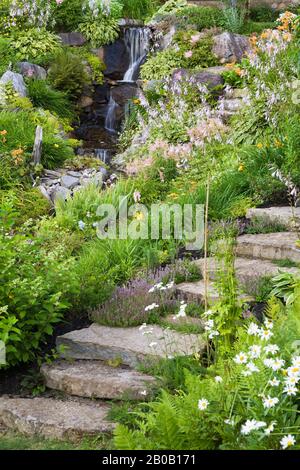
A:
<point x="102" y="154"/>
<point x="137" y="41"/>
<point x="110" y="120"/>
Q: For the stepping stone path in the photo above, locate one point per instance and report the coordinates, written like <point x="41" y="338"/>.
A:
<point x="94" y="379"/>
<point x="55" y="419"/>
<point x="129" y="345"/>
<point x="255" y="255"/>
<point x="85" y="375"/>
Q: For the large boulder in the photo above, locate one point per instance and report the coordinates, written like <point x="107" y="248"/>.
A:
<point x="16" y="80"/>
<point x="32" y="70"/>
<point x="72" y="39"/>
<point x="230" y="47"/>
<point x="211" y="76"/>
<point x="116" y="59"/>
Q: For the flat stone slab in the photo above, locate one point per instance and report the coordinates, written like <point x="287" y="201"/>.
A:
<point x="129" y="345"/>
<point x="54" y="419"/>
<point x="196" y="291"/>
<point x="246" y="269"/>
<point x="282" y="215"/>
<point x="94" y="379"/>
<point x="271" y="246"/>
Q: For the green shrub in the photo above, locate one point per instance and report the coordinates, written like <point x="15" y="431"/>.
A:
<point x="161" y="65"/>
<point x="27" y="204"/>
<point x="201" y="17"/>
<point x="139" y="9"/>
<point x="43" y="96"/>
<point x="67" y="15"/>
<point x="234" y="19"/>
<point x="20" y="134"/>
<point x="263" y="14"/>
<point x="33" y="283"/>
<point x="6" y="54"/>
<point x="35" y="45"/>
<point x="67" y="73"/>
<point x="201" y="50"/>
<point x="101" y="30"/>
<point x="170" y="7"/>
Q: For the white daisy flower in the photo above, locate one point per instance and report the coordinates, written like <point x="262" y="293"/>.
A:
<point x="203" y="404"/>
<point x="269" y="325"/>
<point x="270" y="428"/>
<point x="241" y="358"/>
<point x="269" y="402"/>
<point x="252" y="367"/>
<point x="293" y="371"/>
<point x="218" y="379"/>
<point x="271" y="348"/>
<point x="290" y="391"/>
<point x="255" y="351"/>
<point x="287" y="441"/>
<point x="265" y="334"/>
<point x="274" y="382"/>
<point x="252" y="425"/>
<point x="291" y="381"/>
<point x="296" y="361"/>
<point x="151" y="307"/>
<point x="253" y="329"/>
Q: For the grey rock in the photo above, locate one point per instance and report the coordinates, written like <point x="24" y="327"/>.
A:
<point x="195" y="291"/>
<point x="211" y="77"/>
<point x="69" y="182"/>
<point x="72" y="39"/>
<point x="283" y="215"/>
<point x="75" y="174"/>
<point x="272" y="246"/>
<point x="116" y="58"/>
<point x="28" y="69"/>
<point x="248" y="271"/>
<point x="54" y="419"/>
<point x="232" y="105"/>
<point x="60" y="193"/>
<point x="45" y="193"/>
<point x="230" y="47"/>
<point x="94" y="379"/>
<point x="128" y="345"/>
<point x="17" y="82"/>
<point x="54" y="173"/>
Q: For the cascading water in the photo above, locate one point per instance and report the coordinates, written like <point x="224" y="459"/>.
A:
<point x="137" y="41"/>
<point x="110" y="120"/>
<point x="102" y="154"/>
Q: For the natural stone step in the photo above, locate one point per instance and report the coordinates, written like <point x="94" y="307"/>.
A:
<point x="283" y="215"/>
<point x="94" y="379"/>
<point x="247" y="270"/>
<point x="54" y="419"/>
<point x="129" y="345"/>
<point x="272" y="246"/>
<point x="195" y="291"/>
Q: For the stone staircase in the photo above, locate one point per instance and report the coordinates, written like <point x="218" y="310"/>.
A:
<point x="97" y="366"/>
<point x="98" y="363"/>
<point x="255" y="256"/>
